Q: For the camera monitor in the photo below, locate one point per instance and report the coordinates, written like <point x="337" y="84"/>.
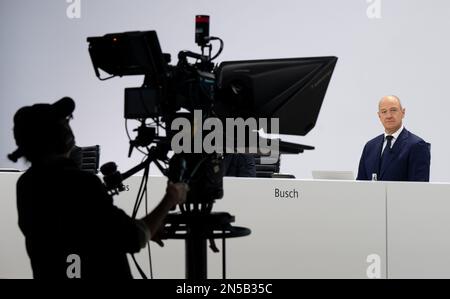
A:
<point x="128" y="53"/>
<point x="291" y="90"/>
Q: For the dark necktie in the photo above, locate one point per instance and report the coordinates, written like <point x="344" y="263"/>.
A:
<point x="386" y="150"/>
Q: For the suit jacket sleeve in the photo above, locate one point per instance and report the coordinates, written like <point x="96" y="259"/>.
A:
<point x="111" y="225"/>
<point x="419" y="162"/>
<point x="362" y="171"/>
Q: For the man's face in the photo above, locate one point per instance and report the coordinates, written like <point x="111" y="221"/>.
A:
<point x="391" y="114"/>
<point x="69" y="137"/>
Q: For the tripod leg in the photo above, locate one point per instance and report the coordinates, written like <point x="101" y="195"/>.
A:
<point x="196" y="258"/>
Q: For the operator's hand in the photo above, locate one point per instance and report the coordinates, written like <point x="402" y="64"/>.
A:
<point x="157" y="239"/>
<point x="176" y="193"/>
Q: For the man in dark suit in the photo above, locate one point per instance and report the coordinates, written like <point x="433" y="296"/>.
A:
<point x="396" y="155"/>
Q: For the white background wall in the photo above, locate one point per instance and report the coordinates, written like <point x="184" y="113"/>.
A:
<point x="43" y="56"/>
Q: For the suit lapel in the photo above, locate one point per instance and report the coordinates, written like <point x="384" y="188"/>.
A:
<point x="395" y="150"/>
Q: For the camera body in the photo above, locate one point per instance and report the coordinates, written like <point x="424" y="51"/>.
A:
<point x="168" y="92"/>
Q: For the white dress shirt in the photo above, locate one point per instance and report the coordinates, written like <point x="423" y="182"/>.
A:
<point x="394" y="135"/>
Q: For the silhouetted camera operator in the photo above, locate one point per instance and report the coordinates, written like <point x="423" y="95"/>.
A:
<point x="64" y="211"/>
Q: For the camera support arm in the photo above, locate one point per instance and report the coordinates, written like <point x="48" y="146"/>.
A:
<point x="114" y="179"/>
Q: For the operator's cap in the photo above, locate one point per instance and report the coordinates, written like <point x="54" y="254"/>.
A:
<point x="34" y="123"/>
<point x="46" y="113"/>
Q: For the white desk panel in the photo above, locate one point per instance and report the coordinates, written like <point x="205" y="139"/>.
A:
<point x="419" y="230"/>
<point x="14" y="261"/>
<point x="327" y="232"/>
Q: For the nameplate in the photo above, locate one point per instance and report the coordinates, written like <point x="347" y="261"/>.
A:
<point x="280" y="193"/>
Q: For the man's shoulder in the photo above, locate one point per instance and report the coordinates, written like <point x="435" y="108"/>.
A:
<point x="82" y="178"/>
<point x="376" y="140"/>
<point x="413" y="138"/>
<point x="58" y="174"/>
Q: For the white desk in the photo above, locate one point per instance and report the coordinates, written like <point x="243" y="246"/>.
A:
<point x="327" y="232"/>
